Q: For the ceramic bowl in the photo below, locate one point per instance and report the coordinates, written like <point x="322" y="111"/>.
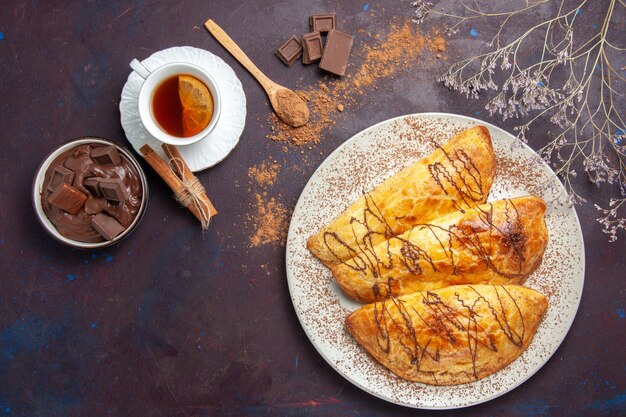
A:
<point x="38" y="189"/>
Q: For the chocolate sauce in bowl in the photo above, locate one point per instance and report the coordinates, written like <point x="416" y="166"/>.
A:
<point x="79" y="226"/>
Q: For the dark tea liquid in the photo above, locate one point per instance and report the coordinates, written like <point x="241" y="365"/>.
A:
<point x="167" y="108"/>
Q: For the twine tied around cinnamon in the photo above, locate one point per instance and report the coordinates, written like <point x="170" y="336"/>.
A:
<point x="192" y="191"/>
<point x="178" y="176"/>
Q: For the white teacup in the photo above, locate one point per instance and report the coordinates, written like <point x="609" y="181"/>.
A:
<point x="154" y="78"/>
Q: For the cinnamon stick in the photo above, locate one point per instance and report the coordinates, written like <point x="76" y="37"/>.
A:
<point x="180" y="167"/>
<point x="172" y="180"/>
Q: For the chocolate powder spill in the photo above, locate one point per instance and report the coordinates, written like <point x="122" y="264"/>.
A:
<point x="264" y="174"/>
<point x="439" y="43"/>
<point x="381" y="59"/>
<point x="270" y="221"/>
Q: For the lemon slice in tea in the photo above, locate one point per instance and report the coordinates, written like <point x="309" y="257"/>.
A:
<point x="197" y="104"/>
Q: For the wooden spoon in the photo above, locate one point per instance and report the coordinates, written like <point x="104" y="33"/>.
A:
<point x="289" y="106"/>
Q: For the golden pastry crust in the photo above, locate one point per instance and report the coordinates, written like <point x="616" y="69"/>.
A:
<point x="449" y="336"/>
<point x="457" y="175"/>
<point x="494" y="243"/>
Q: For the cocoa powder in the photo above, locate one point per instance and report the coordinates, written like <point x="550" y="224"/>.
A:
<point x="382" y="58"/>
<point x="291" y="108"/>
<point x="264" y="174"/>
<point x="439" y="44"/>
<point x="270" y="221"/>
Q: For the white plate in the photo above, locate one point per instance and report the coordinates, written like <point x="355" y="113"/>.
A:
<point x="222" y="139"/>
<point x="364" y="161"/>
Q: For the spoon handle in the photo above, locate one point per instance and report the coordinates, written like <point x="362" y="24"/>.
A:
<point x="230" y="45"/>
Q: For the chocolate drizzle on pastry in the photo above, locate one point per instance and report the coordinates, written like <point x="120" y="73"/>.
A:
<point x="455" y="329"/>
<point x="445" y="321"/>
<point x="479" y="245"/>
<point x="468" y="234"/>
<point x="456" y="176"/>
<point x="461" y="175"/>
<point x="466" y="179"/>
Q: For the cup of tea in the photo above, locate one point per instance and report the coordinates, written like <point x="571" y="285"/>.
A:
<point x="179" y="103"/>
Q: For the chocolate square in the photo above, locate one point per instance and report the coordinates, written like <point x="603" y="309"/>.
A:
<point x="92" y="184"/>
<point x="73" y="163"/>
<point x="95" y="205"/>
<point x="60" y="175"/>
<point x="106" y="155"/>
<point x="323" y="22"/>
<point x="336" y="52"/>
<point x="67" y="198"/>
<point x="106" y="225"/>
<point x="312" y="47"/>
<point x="290" y="51"/>
<point x="113" y="189"/>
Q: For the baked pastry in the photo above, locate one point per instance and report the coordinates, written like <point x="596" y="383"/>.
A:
<point x="494" y="243"/>
<point x="456" y="176"/>
<point x="449" y="336"/>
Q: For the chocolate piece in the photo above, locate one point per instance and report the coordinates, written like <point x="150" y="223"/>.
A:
<point x="73" y="163"/>
<point x="106" y="225"/>
<point x="323" y="22"/>
<point x="81" y="164"/>
<point x="336" y="52"/>
<point x="290" y="51"/>
<point x="95" y="205"/>
<point x="113" y="189"/>
<point x="312" y="47"/>
<point x="67" y="198"/>
<point x="106" y="155"/>
<point x="60" y="175"/>
<point x="92" y="184"/>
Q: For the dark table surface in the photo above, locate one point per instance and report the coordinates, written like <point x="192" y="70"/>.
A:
<point x="174" y="322"/>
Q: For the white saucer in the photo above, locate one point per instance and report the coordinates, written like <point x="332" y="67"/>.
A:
<point x="224" y="137"/>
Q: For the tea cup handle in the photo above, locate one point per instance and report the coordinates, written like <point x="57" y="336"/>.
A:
<point x="139" y="68"/>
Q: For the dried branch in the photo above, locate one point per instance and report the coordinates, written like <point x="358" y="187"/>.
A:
<point x="574" y="83"/>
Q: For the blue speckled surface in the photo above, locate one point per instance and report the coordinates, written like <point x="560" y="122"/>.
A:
<point x="173" y="322"/>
